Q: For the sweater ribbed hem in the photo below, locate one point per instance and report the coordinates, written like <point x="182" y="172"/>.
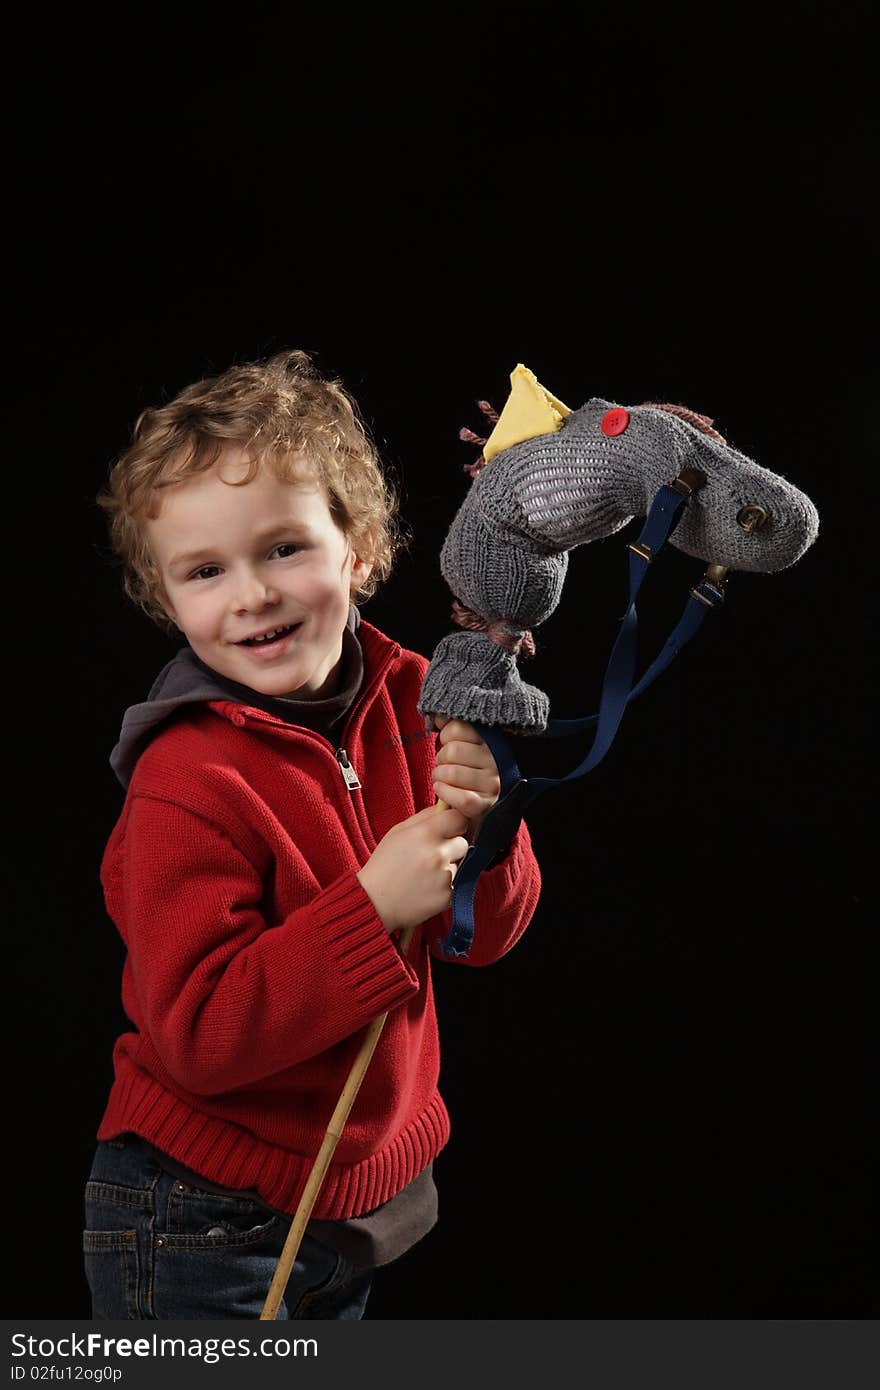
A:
<point x="229" y="1155"/>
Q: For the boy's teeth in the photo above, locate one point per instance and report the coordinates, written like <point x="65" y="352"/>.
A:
<point x="268" y="636"/>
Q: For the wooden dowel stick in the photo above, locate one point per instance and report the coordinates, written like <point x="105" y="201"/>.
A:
<point x="325" y="1153"/>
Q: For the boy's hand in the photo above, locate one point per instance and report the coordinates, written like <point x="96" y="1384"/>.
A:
<point x="465" y="772"/>
<point x="408" y="877"/>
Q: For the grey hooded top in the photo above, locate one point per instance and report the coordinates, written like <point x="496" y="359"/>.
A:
<point x="385" y="1233"/>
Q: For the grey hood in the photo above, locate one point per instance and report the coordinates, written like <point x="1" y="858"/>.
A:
<point x="185" y="680"/>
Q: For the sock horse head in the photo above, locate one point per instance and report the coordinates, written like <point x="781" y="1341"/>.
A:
<point x="551" y="479"/>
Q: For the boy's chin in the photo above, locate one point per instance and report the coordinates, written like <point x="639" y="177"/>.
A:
<point x="278" y="683"/>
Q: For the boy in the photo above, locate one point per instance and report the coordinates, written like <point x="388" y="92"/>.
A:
<point x="279" y="828"/>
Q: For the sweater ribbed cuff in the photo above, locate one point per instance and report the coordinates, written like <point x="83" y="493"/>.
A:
<point x="367" y="957"/>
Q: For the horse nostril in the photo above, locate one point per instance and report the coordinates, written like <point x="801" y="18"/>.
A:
<point x="752" y="517"/>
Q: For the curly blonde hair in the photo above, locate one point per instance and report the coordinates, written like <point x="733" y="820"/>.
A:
<point x="281" y="410"/>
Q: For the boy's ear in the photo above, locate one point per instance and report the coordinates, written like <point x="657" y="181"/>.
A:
<point x="166" y="604"/>
<point x="362" y="565"/>
<point x="360" y="571"/>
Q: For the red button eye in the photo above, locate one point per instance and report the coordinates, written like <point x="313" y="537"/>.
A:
<point x="615" y="421"/>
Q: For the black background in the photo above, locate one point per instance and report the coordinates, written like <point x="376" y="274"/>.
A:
<point x="663" y="1099"/>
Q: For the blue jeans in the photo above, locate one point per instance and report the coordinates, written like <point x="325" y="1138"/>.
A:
<point x="156" y="1248"/>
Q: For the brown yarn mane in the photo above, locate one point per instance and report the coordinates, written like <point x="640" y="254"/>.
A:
<point x="700" y="422"/>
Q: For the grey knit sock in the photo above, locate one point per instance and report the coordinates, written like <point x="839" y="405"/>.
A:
<point x="481" y="682"/>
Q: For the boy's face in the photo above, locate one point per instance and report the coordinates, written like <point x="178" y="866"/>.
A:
<point x="261" y="556"/>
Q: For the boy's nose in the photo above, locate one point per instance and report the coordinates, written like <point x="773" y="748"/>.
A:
<point x="253" y="594"/>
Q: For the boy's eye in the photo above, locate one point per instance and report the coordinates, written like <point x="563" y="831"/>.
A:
<point x="204" y="571"/>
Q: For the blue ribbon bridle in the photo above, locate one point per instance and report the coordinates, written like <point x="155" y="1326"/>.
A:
<point x="518" y="792"/>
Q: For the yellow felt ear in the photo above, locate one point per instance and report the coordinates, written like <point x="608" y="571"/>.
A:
<point x="530" y="411"/>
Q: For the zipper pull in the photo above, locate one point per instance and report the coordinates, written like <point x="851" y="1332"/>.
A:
<point x="349" y="775"/>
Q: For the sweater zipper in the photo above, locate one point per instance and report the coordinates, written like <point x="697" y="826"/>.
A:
<point x="356" y="712"/>
<point x="349" y="776"/>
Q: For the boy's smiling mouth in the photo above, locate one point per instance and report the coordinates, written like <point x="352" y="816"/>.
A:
<point x="270" y="637"/>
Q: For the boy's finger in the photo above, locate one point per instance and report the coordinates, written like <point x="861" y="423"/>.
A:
<point x="458" y="848"/>
<point x="469" y="804"/>
<point x="468" y="778"/>
<point x="432" y="811"/>
<point x="459" y="728"/>
<point x="426" y="811"/>
<point x="467" y="754"/>
<point x="449" y="821"/>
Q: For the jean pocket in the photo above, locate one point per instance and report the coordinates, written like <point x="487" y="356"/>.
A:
<point x="110" y="1260"/>
<point x="115" y="1206"/>
<point x="319" y="1273"/>
<point x="198" y="1218"/>
<point x="213" y="1255"/>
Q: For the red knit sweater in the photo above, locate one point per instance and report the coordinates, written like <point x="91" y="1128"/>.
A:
<point x="255" y="958"/>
